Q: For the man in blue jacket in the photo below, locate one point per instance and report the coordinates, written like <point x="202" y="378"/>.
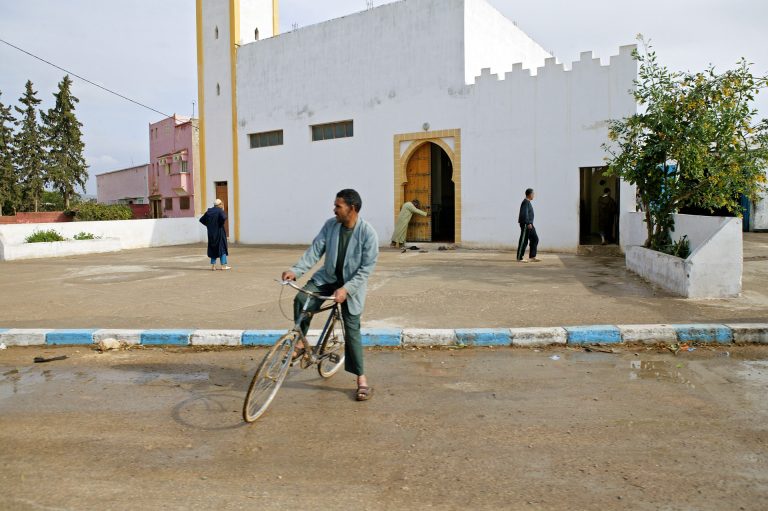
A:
<point x="351" y="249"/>
<point x="527" y="230"/>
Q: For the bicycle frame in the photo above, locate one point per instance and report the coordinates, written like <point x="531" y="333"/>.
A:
<point x="335" y="309"/>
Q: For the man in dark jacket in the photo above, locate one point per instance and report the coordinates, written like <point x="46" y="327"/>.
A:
<point x="214" y="220"/>
<point x="606" y="213"/>
<point x="527" y="230"/>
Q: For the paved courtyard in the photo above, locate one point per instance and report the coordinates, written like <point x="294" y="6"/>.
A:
<point x="173" y="287"/>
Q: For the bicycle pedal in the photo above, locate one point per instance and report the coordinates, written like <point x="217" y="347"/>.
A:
<point x="334" y="358"/>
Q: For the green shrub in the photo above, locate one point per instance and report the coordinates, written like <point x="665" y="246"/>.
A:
<point x="90" y="211"/>
<point x="85" y="236"/>
<point x="680" y="248"/>
<point x="44" y="236"/>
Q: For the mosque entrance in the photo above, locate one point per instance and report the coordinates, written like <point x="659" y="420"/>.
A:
<point x="593" y="184"/>
<point x="429" y="178"/>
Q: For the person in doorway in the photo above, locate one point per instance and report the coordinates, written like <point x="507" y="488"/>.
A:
<point x="403" y="219"/>
<point x="606" y="215"/>
<point x="214" y="219"/>
<point x="527" y="230"/>
<point x="351" y="249"/>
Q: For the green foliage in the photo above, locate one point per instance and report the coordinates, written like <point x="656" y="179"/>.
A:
<point x="65" y="164"/>
<point x="680" y="248"/>
<point x="29" y="151"/>
<point x="44" y="236"/>
<point x="85" y="236"/>
<point x="695" y="143"/>
<point x="10" y="194"/>
<point x="90" y="211"/>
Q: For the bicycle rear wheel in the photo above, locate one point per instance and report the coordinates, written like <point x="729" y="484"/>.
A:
<point x="268" y="378"/>
<point x="331" y="349"/>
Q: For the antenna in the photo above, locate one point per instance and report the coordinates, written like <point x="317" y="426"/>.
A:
<point x="369" y="4"/>
<point x="295" y="26"/>
<point x="193" y="109"/>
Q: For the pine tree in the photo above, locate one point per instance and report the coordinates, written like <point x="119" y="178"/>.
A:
<point x="64" y="161"/>
<point x="29" y="152"/>
<point x="9" y="185"/>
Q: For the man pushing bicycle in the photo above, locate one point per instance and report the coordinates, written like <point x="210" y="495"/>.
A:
<point x="351" y="249"/>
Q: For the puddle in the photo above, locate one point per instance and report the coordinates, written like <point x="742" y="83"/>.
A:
<point x="29" y="379"/>
<point x="659" y="370"/>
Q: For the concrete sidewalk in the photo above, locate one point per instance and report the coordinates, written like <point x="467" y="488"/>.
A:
<point x="173" y="287"/>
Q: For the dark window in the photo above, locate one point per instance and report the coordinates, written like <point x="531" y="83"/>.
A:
<point x="183" y="202"/>
<point x="266" y="139"/>
<point x="169" y="204"/>
<point x="216" y="32"/>
<point x="332" y="130"/>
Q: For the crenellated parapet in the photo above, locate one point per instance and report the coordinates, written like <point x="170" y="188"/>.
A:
<point x="586" y="63"/>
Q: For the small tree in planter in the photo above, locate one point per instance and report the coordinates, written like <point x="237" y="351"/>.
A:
<point x="696" y="143"/>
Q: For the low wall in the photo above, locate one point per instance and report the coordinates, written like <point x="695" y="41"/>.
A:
<point x="36" y="218"/>
<point x="114" y="234"/>
<point x="712" y="270"/>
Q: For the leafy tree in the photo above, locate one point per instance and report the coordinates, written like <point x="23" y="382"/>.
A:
<point x="695" y="144"/>
<point x="9" y="182"/>
<point x="28" y="148"/>
<point x="65" y="164"/>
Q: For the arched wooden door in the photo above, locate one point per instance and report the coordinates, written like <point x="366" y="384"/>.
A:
<point x="418" y="185"/>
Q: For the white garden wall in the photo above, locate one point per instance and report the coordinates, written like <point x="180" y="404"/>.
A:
<point x="115" y="235"/>
<point x="712" y="270"/>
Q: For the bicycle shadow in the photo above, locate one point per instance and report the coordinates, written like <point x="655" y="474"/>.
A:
<point x="316" y="385"/>
<point x="214" y="395"/>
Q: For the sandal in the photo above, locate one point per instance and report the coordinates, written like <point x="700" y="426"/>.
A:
<point x="364" y="393"/>
<point x="298" y="352"/>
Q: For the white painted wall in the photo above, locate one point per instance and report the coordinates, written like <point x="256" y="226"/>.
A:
<point x="217" y="109"/>
<point x="760" y="214"/>
<point x="712" y="270"/>
<point x="255" y="14"/>
<point x="116" y="235"/>
<point x="392" y="69"/>
<point x="491" y="40"/>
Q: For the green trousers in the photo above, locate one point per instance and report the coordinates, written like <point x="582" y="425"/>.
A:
<point x="353" y="344"/>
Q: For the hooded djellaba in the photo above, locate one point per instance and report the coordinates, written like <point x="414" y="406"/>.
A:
<point x="214" y="220"/>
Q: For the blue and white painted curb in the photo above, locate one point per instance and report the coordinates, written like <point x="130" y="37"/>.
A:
<point x="701" y="333"/>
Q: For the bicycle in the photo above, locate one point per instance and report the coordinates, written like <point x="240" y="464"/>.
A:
<point x="327" y="354"/>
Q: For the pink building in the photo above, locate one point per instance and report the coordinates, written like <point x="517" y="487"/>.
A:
<point x="125" y="186"/>
<point x="173" y="153"/>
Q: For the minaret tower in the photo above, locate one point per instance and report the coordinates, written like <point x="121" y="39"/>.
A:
<point x="223" y="26"/>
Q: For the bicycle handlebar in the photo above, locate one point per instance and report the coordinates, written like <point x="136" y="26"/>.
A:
<point x="295" y="286"/>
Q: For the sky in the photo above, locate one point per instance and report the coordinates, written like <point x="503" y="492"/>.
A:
<point x="145" y="50"/>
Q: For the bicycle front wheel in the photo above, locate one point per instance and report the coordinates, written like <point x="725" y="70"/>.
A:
<point x="268" y="378"/>
<point x="331" y="349"/>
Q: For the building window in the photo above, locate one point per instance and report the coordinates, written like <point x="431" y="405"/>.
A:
<point x="169" y="204"/>
<point x="184" y="170"/>
<point x="216" y="32"/>
<point x="183" y="202"/>
<point x="266" y="139"/>
<point x="332" y="130"/>
<point x="218" y="90"/>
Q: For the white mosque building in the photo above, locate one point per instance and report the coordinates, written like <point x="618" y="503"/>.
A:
<point x="447" y="101"/>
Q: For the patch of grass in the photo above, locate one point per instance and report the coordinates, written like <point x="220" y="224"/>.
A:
<point x="44" y="236"/>
<point x="86" y="236"/>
